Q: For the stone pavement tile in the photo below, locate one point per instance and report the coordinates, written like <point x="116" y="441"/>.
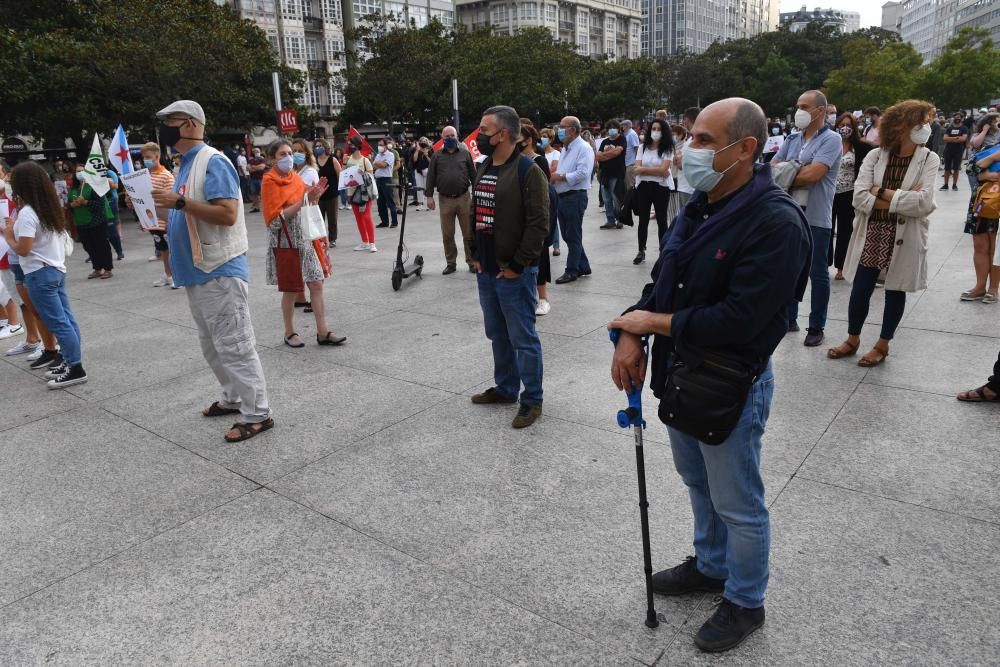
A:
<point x="79" y="487"/>
<point x="609" y="279"/>
<point x="936" y="362"/>
<point x="942" y="310"/>
<point x="448" y="354"/>
<point x="265" y="581"/>
<point x="914" y="447"/>
<point x="548" y="515"/>
<point x="318" y="409"/>
<point x="793" y="358"/>
<point x="158" y="303"/>
<point x="858" y="580"/>
<point x="24" y="396"/>
<point x="121" y="358"/>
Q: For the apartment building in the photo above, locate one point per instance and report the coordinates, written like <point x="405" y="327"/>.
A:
<point x="673" y="26"/>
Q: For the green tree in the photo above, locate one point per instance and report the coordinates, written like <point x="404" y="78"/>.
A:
<point x="874" y="76"/>
<point x="621" y="89"/>
<point x="772" y="85"/>
<point x="966" y="74"/>
<point x="72" y="68"/>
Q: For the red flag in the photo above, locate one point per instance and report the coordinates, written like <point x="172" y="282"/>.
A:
<point x="366" y="148"/>
<point x="438" y="145"/>
<point x="470" y="143"/>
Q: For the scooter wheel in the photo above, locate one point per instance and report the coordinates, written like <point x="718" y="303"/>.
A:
<point x="397" y="280"/>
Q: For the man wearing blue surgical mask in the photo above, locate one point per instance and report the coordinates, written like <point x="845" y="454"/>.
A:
<point x="611" y="158"/>
<point x="451" y="172"/>
<point x="571" y="181"/>
<point x="737" y="254"/>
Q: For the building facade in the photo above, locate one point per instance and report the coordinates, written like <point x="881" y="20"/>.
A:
<point x="979" y="14"/>
<point x="890" y="16"/>
<point x="674" y="26"/>
<point x="843" y="21"/>
<point x="595" y="27"/>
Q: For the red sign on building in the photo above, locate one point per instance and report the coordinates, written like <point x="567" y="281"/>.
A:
<point x="288" y="122"/>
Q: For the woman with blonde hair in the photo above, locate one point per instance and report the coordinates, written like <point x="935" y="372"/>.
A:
<point x="893" y="197"/>
<point x="282" y="195"/>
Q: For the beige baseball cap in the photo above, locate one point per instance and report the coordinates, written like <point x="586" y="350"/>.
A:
<point x="188" y="107"/>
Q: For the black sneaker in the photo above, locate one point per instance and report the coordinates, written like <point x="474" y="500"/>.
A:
<point x="56" y="371"/>
<point x="943" y="187"/>
<point x="526" y="415"/>
<point x="955" y="188"/>
<point x="686" y="578"/>
<point x="608" y="225"/>
<point x="729" y="625"/>
<point x="814" y="337"/>
<point x="75" y="375"/>
<point x="48" y="358"/>
<point x="793" y="326"/>
<point x="492" y="395"/>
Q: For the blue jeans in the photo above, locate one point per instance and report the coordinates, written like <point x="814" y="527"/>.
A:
<point x="732" y="527"/>
<point x="572" y="206"/>
<point x="609" y="190"/>
<point x="47" y="287"/>
<point x="386" y="202"/>
<point x="819" y="280"/>
<point x="509" y="315"/>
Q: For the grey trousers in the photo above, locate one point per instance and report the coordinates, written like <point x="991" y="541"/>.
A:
<point x="221" y="310"/>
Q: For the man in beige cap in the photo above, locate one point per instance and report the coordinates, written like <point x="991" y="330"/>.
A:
<point x="207" y="236"/>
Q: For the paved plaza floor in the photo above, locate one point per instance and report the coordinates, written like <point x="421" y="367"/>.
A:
<point x="387" y="519"/>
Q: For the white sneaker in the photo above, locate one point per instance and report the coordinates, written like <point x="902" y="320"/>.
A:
<point x="37" y="354"/>
<point x="174" y="285"/>
<point x="543" y="307"/>
<point x="361" y="246"/>
<point x="372" y="248"/>
<point x="163" y="282"/>
<point x="154" y="258"/>
<point x="24" y="347"/>
<point x="7" y="331"/>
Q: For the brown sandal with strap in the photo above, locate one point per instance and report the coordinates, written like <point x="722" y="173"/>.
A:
<point x="247" y="431"/>
<point x="216" y="410"/>
<point x="980" y="395"/>
<point x="864" y="362"/>
<point x="839" y="352"/>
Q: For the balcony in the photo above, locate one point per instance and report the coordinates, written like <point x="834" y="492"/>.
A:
<point x="312" y="22"/>
<point x="317" y="64"/>
<point x="566" y="25"/>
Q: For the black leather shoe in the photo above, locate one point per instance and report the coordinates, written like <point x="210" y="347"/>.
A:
<point x="585" y="273"/>
<point x="729" y="625"/>
<point x="814" y="338"/>
<point x="639" y="258"/>
<point x="565" y="278"/>
<point x="793" y="326"/>
<point x="381" y="226"/>
<point x="686" y="578"/>
<point x="609" y="225"/>
<point x="448" y="270"/>
<point x="493" y="395"/>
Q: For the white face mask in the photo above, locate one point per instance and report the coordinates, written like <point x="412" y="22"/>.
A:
<point x="920" y="134"/>
<point x="802" y="119"/>
<point x="655" y="135"/>
<point x="699" y="167"/>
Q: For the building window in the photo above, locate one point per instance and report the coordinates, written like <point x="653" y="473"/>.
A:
<point x="365" y="7"/>
<point x="499" y="15"/>
<point x="260" y="8"/>
<point x="272" y="38"/>
<point x="583" y="46"/>
<point x="444" y="17"/>
<point x="529" y="11"/>
<point x="418" y="15"/>
<point x="609" y="24"/>
<point x="334" y="48"/>
<point x="582" y="20"/>
<point x="331" y="11"/>
<point x="291" y="10"/>
<point x="294" y="49"/>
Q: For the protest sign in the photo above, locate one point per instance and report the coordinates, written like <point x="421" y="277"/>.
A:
<point x="139" y="187"/>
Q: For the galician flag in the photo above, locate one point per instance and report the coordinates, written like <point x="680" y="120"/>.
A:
<point x="95" y="173"/>
<point x="118" y="152"/>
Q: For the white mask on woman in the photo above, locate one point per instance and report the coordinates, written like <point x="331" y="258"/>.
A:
<point x="920" y="134"/>
<point x="655" y="135"/>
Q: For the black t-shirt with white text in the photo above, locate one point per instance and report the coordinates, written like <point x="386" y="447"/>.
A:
<point x="484" y="196"/>
<point x="956" y="131"/>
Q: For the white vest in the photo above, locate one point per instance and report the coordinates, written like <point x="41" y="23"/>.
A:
<point x="212" y="245"/>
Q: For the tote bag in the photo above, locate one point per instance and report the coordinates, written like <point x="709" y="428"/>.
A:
<point x="288" y="264"/>
<point x="311" y="221"/>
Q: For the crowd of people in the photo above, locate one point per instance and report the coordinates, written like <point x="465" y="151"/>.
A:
<point x="748" y="215"/>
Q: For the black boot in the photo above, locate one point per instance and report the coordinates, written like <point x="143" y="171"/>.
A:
<point x="639" y="258"/>
<point x="686" y="578"/>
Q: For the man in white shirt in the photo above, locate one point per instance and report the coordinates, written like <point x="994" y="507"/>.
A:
<point x="571" y="182"/>
<point x="384" y="163"/>
<point x="684" y="189"/>
<point x="243" y="169"/>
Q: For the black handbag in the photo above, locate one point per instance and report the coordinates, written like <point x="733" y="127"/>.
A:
<point x="707" y="400"/>
<point x="627" y="208"/>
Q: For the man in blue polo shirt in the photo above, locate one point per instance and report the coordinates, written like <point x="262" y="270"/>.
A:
<point x="631" y="151"/>
<point x="819" y="150"/>
<point x="206" y="233"/>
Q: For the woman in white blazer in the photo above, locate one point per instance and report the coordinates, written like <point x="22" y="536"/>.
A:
<point x="893" y="196"/>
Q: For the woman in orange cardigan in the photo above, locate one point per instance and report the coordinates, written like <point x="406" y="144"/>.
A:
<point x="282" y="194"/>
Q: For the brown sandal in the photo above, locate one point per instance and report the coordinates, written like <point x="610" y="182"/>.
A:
<point x="868" y="363"/>
<point x="839" y="353"/>
<point x="248" y="431"/>
<point x="980" y="395"/>
<point x="216" y="410"/>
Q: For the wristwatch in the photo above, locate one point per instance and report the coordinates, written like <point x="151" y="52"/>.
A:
<point x="180" y="203"/>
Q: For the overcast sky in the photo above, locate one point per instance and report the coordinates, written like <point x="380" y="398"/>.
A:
<point x="871" y="11"/>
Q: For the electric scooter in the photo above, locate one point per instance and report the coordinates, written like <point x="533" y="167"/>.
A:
<point x="400" y="269"/>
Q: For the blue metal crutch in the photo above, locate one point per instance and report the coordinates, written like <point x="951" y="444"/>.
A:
<point x="632" y="417"/>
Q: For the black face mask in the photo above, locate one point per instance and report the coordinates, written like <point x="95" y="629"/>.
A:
<point x="169" y="136"/>
<point x="484" y="145"/>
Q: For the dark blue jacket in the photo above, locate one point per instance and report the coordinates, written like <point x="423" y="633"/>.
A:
<point x="731" y="294"/>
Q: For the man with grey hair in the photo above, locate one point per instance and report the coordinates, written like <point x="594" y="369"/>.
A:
<point x="451" y="172"/>
<point x="571" y="181"/>
<point x="510" y="199"/>
<point x="819" y="150"/>
<point x="737" y="254"/>
<point x="208" y="256"/>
